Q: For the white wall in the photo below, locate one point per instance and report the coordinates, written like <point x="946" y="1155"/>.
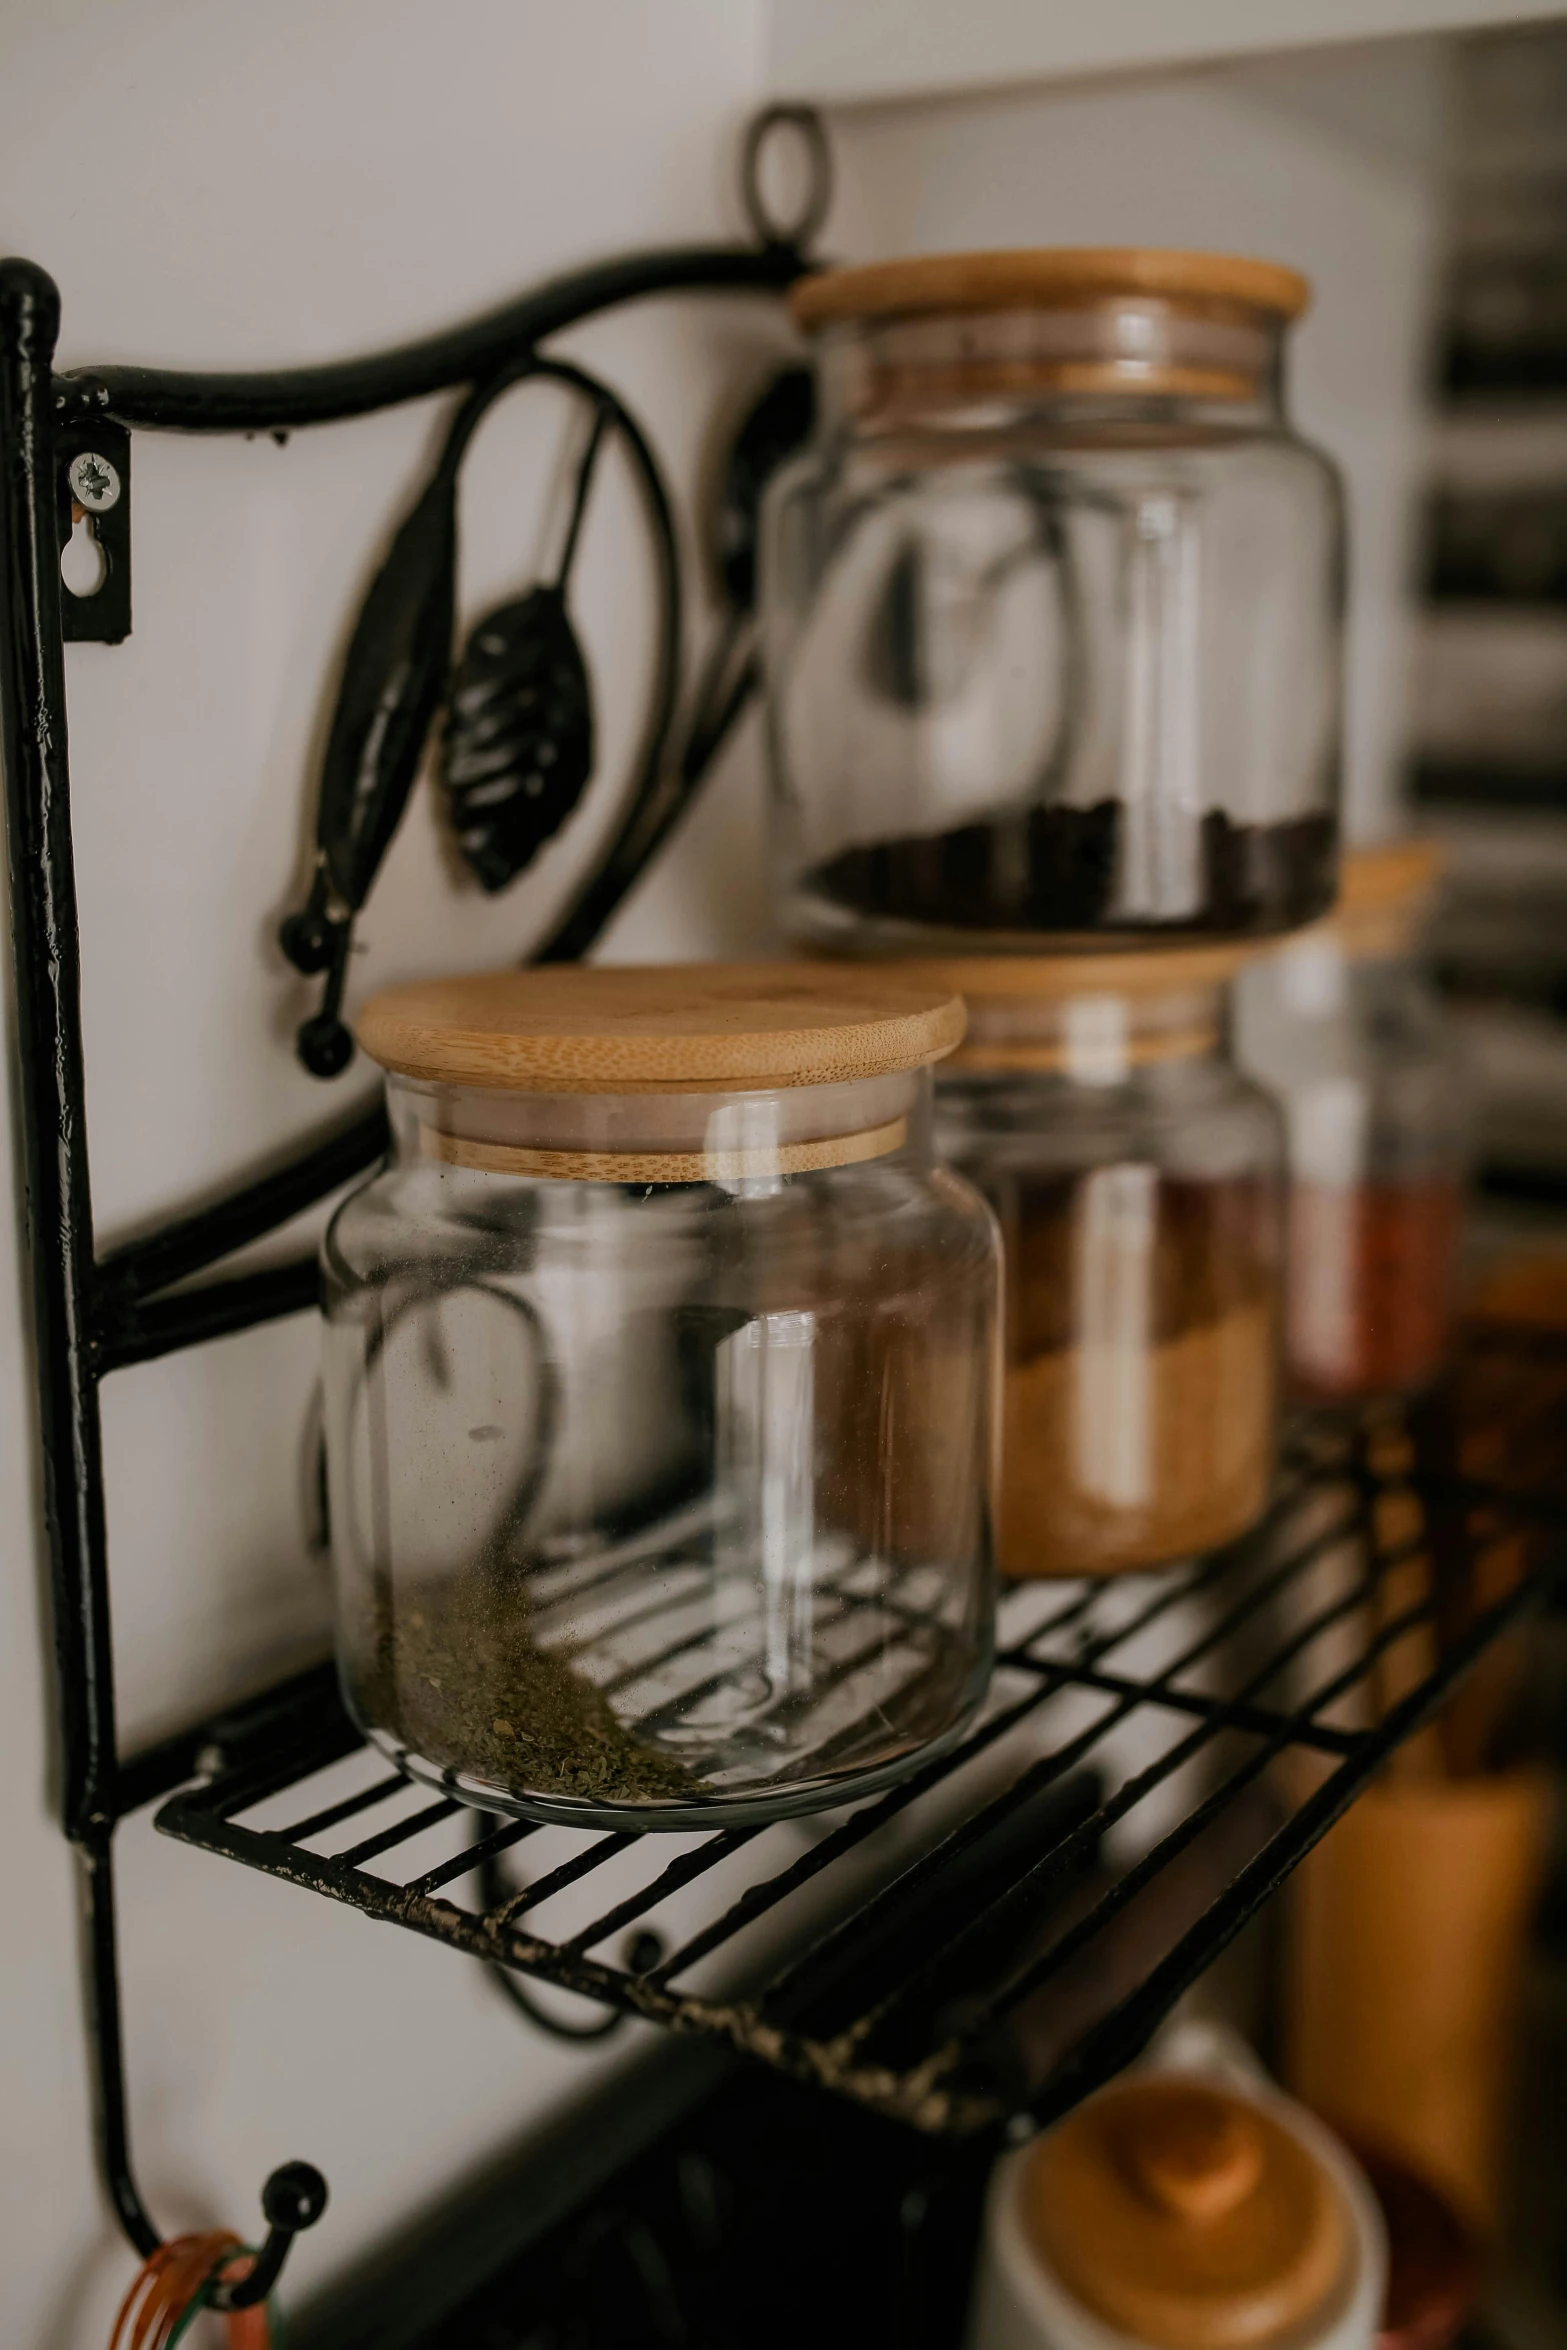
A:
<point x="215" y="182"/>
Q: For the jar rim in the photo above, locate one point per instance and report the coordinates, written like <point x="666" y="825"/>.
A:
<point x="662" y="1028"/>
<point x="1393" y="877"/>
<point x="1386" y="892"/>
<point x="1058" y="978"/>
<point x="1047" y="277"/>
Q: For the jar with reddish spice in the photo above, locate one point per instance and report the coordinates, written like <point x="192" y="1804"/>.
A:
<point x="1344" y="1026"/>
<point x="1137" y="1178"/>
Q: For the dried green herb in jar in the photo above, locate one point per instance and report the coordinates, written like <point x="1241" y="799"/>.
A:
<point x="467" y="1687"/>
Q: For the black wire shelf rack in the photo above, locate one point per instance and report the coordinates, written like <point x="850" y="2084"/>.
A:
<point x="987" y="1942"/>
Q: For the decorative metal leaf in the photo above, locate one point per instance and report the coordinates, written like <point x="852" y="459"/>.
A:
<point x="519" y="737"/>
<point x="393" y="680"/>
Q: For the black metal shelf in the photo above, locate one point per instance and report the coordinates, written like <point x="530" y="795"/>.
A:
<point x="992" y="1939"/>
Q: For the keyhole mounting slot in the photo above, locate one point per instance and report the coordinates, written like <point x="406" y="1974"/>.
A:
<point x="84" y="565"/>
<point x="92" y="520"/>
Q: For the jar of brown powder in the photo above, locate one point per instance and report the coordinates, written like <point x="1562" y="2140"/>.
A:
<point x="1137" y="1178"/>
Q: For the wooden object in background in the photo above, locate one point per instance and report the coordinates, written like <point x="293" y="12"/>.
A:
<point x="1408" y="1929"/>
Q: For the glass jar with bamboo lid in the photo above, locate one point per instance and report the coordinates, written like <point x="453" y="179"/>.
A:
<point x="1136" y="1175"/>
<point x="1052" y="608"/>
<point x="660" y="1394"/>
<point x="1344" y="1025"/>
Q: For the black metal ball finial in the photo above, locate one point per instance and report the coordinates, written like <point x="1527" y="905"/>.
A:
<point x="325" y="1045"/>
<point x="309" y="936"/>
<point x="294" y="2197"/>
<point x="308" y="939"/>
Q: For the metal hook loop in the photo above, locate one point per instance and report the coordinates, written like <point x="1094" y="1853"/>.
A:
<point x="807" y="125"/>
<point x="293" y="2199"/>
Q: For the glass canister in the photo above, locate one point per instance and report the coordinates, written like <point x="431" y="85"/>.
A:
<point x="660" y="1394"/>
<point x="1052" y="608"/>
<point x="1344" y="1026"/>
<point x="1136" y="1175"/>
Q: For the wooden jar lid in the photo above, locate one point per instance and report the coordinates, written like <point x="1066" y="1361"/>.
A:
<point x="1395" y="878"/>
<point x="1056" y="979"/>
<point x="1186" y="2216"/>
<point x="1048" y="278"/>
<point x="691" y="1028"/>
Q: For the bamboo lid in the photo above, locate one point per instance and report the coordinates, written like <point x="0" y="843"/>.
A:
<point x="692" y="1028"/>
<point x="1395" y="878"/>
<point x="1385" y="894"/>
<point x="1048" y="278"/>
<point x="1186" y="2216"/>
<point x="1056" y="979"/>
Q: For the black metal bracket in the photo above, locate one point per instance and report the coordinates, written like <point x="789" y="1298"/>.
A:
<point x="93" y="1314"/>
<point x="92" y="479"/>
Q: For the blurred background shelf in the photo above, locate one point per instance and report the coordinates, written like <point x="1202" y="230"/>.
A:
<point x="882" y="49"/>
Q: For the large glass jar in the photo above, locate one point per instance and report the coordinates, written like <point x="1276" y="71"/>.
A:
<point x="1052" y="608"/>
<point x="1344" y="1026"/>
<point x="1136" y="1176"/>
<point x="660" y="1394"/>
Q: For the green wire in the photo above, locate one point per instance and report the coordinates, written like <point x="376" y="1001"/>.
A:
<point x="200" y="2301"/>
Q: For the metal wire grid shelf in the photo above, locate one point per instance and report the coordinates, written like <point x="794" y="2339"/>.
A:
<point x="991" y="1939"/>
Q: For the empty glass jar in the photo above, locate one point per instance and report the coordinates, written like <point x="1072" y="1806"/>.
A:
<point x="1343" y="1024"/>
<point x="1136" y="1177"/>
<point x="660" y="1390"/>
<point x="1052" y="608"/>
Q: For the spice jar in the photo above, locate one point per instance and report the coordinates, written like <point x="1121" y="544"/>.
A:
<point x="1181" y="2212"/>
<point x="660" y="1393"/>
<point x="1052" y="607"/>
<point x="1343" y="1025"/>
<point x="1136" y="1177"/>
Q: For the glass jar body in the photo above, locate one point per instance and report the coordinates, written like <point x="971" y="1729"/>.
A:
<point x="1049" y="663"/>
<point x="1360" y="1055"/>
<point x="656" y="1502"/>
<point x="1140" y="1222"/>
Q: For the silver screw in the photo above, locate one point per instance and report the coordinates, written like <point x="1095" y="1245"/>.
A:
<point x="94" y="482"/>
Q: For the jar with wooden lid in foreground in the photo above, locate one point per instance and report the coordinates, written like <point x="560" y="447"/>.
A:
<point x="1181" y="2212"/>
<point x="1136" y="1176"/>
<point x="1052" y="608"/>
<point x="1345" y="1028"/>
<point x="660" y="1391"/>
